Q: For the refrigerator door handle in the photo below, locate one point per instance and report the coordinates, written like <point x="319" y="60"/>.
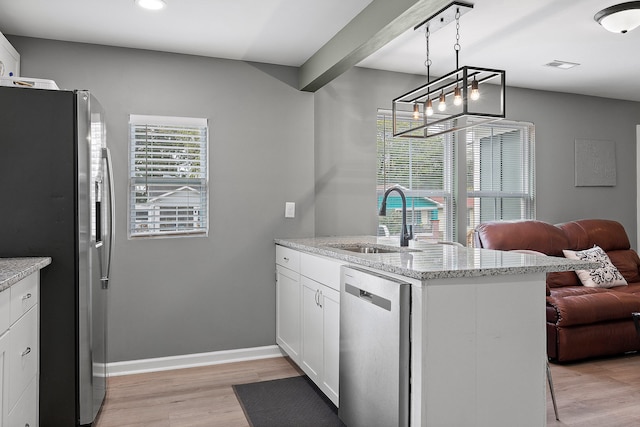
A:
<point x="106" y="154"/>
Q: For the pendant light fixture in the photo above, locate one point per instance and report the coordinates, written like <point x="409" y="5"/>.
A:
<point x="428" y="105"/>
<point x="457" y="95"/>
<point x="475" y="91"/>
<point x="442" y="102"/>
<point x="620" y="18"/>
<point x="463" y="85"/>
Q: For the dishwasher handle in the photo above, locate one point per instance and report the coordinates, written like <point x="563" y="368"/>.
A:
<point x="369" y="297"/>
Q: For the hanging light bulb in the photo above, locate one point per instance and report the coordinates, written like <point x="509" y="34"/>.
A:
<point x="442" y="102"/>
<point x="428" y="107"/>
<point x="475" y="92"/>
<point x="416" y="111"/>
<point x="457" y="96"/>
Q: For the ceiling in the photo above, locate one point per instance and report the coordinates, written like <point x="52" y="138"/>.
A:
<point x="519" y="36"/>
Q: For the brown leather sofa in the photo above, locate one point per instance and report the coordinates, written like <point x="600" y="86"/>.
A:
<point x="582" y="321"/>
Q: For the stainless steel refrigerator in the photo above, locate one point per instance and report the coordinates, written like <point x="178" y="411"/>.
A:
<point x="56" y="197"/>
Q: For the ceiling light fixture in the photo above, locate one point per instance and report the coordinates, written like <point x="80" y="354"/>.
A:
<point x="151" y="4"/>
<point x="620" y="18"/>
<point x="463" y="83"/>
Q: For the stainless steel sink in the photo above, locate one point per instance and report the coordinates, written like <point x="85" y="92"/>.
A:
<point x="370" y="248"/>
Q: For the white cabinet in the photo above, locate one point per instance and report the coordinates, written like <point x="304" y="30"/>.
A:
<point x="9" y="58"/>
<point x="321" y="335"/>
<point x="288" y="301"/>
<point x="4" y="376"/>
<point x="19" y="356"/>
<point x="308" y="314"/>
<point x="288" y="311"/>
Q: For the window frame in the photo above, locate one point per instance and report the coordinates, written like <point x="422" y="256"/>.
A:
<point x="170" y="183"/>
<point x="458" y="220"/>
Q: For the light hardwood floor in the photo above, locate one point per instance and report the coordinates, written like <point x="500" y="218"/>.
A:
<point x="597" y="393"/>
<point x="193" y="397"/>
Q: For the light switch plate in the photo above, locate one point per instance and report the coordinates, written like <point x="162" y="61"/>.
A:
<point x="289" y="210"/>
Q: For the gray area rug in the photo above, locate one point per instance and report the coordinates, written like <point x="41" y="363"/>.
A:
<point x="287" y="402"/>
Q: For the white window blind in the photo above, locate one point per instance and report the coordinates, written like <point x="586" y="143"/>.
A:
<point x="500" y="178"/>
<point x="423" y="169"/>
<point x="500" y="172"/>
<point x="168" y="176"/>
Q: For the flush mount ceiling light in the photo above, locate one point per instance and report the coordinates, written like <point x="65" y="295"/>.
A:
<point x="620" y="18"/>
<point x="151" y="4"/>
<point x="471" y="92"/>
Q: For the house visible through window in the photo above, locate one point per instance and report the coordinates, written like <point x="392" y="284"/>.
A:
<point x="500" y="181"/>
<point x="168" y="186"/>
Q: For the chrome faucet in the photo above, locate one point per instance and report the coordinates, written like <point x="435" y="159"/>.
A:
<point x="405" y="235"/>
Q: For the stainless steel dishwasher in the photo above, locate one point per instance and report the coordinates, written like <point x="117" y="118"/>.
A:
<point x="374" y="349"/>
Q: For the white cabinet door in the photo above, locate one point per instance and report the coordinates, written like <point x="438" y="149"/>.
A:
<point x="288" y="311"/>
<point x="331" y="342"/>
<point x="312" y="325"/>
<point x="24" y="413"/>
<point x="23" y="358"/>
<point x="321" y="336"/>
<point x="4" y="378"/>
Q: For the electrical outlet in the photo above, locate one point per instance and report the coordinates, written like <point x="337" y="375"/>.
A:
<point x="289" y="210"/>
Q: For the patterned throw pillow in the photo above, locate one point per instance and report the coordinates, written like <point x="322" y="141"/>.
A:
<point x="606" y="276"/>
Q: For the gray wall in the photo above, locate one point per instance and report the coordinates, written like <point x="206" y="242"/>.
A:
<point x="345" y="151"/>
<point x="180" y="296"/>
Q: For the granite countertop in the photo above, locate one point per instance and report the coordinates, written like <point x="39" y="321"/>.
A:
<point x="12" y="270"/>
<point x="434" y="261"/>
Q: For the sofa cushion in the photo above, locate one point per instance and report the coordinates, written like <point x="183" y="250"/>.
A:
<point x="563" y="278"/>
<point x="631" y="288"/>
<point x="593" y="307"/>
<point x="585" y="233"/>
<point x="524" y="234"/>
<point x="606" y="276"/>
<point x="627" y="262"/>
<point x="567" y="291"/>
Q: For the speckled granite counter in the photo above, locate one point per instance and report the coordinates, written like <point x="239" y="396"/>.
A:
<point x="12" y="270"/>
<point x="434" y="261"/>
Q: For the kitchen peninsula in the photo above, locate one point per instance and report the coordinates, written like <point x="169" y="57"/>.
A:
<point x="477" y="326"/>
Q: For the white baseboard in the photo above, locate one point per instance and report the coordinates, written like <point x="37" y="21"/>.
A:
<point x="129" y="367"/>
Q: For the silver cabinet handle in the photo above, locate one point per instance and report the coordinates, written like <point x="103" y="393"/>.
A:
<point x="26" y="351"/>
<point x="286" y="259"/>
<point x="27" y="296"/>
<point x="320" y="298"/>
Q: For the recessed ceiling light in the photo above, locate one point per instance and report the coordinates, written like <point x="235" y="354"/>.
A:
<point x="564" y="65"/>
<point x="151" y="4"/>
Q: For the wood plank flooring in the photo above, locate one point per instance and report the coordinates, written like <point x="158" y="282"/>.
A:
<point x="193" y="397"/>
<point x="597" y="393"/>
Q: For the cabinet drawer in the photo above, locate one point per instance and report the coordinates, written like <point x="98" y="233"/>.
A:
<point x="23" y="354"/>
<point x="5" y="310"/>
<point x="25" y="412"/>
<point x="288" y="257"/>
<point x="24" y="295"/>
<point x="321" y="269"/>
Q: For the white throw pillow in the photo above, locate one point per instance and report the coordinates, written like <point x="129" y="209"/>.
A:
<point x="606" y="276"/>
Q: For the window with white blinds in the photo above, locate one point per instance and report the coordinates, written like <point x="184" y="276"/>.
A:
<point x="500" y="172"/>
<point x="168" y="176"/>
<point x="423" y="169"/>
<point x="500" y="180"/>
